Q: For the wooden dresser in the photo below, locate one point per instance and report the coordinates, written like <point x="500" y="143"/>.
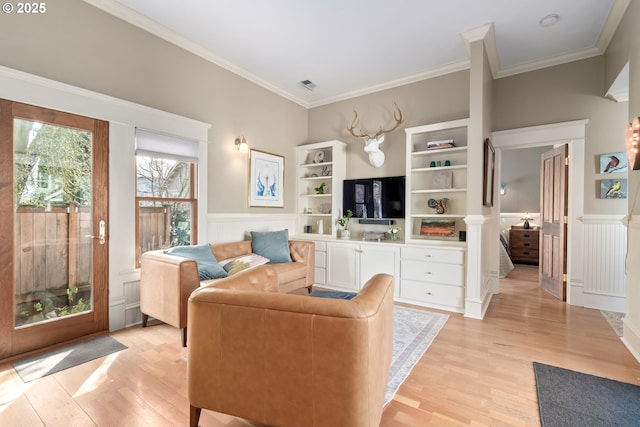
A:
<point x="523" y="245"/>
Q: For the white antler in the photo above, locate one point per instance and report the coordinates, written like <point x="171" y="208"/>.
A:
<point x="372" y="143"/>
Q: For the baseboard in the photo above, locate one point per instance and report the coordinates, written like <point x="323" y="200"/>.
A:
<point x="631" y="338"/>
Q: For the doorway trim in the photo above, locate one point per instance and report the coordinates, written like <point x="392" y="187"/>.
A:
<point x="573" y="134"/>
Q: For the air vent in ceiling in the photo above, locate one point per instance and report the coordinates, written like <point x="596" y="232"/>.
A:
<point x="307" y="84"/>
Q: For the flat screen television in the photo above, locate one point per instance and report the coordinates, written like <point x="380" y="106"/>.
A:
<point x="374" y="197"/>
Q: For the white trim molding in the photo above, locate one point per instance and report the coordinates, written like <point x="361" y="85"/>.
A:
<point x="573" y="134"/>
<point x="478" y="290"/>
<point x="605" y="245"/>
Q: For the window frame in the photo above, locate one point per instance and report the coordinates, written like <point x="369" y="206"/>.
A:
<point x="193" y="200"/>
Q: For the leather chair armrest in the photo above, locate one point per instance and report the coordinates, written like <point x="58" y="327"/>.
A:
<point x="166" y="281"/>
<point x="304" y="252"/>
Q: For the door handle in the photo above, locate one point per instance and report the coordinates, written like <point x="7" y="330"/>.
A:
<point x="102" y="232"/>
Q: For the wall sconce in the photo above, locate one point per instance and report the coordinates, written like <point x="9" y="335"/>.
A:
<point x="503" y="190"/>
<point x="241" y="144"/>
<point x="632" y="135"/>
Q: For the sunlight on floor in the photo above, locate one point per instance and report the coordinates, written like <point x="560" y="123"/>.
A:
<point x="98" y="376"/>
<point x="11" y="388"/>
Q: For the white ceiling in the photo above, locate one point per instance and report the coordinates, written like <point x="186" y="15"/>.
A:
<point x="352" y="47"/>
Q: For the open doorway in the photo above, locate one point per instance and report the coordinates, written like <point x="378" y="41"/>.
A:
<point x="520" y="205"/>
<point x="572" y="134"/>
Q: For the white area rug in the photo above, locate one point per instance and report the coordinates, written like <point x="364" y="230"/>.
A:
<point x="615" y="320"/>
<point x="413" y="332"/>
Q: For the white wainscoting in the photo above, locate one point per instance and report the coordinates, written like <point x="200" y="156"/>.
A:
<point x="222" y="228"/>
<point x="605" y="247"/>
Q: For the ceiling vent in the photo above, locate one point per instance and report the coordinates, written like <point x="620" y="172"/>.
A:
<point x="308" y="85"/>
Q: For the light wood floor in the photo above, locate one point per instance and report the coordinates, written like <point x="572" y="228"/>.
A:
<point x="476" y="373"/>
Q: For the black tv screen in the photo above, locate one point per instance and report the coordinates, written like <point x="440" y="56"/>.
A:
<point x="374" y="197"/>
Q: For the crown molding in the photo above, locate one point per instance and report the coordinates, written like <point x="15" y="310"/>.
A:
<point x="487" y="34"/>
<point x="429" y="74"/>
<point x="146" y="24"/>
<point x="616" y="13"/>
<point x="549" y="62"/>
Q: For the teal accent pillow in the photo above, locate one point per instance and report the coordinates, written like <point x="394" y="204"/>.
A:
<point x="271" y="244"/>
<point x="208" y="267"/>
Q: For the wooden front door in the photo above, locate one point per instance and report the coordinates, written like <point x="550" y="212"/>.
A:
<point x="553" y="212"/>
<point x="53" y="217"/>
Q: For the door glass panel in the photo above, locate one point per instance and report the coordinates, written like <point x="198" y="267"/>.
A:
<point x="53" y="247"/>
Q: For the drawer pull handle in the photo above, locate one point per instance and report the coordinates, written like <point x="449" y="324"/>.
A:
<point x="427" y="256"/>
<point x="428" y="272"/>
<point x="526" y="253"/>
<point x="428" y="293"/>
<point x="527" y="235"/>
<point x="527" y="244"/>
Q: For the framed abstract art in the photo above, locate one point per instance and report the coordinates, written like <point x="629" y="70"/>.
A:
<point x="266" y="179"/>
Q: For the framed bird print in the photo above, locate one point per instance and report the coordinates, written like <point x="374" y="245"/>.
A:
<point x="613" y="188"/>
<point x="266" y="179"/>
<point x="613" y="163"/>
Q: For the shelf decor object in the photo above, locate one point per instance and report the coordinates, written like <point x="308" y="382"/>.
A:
<point x="266" y="179"/>
<point x="489" y="170"/>
<point x="438" y="227"/>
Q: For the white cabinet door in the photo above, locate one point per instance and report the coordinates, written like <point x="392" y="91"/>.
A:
<point x="342" y="266"/>
<point x="379" y="258"/>
<point x="350" y="265"/>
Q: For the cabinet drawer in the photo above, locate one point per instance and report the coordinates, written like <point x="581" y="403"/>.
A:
<point x="431" y="293"/>
<point x="448" y="274"/>
<point x="321" y="246"/>
<point x="321" y="259"/>
<point x="433" y="255"/>
<point x="320" y="276"/>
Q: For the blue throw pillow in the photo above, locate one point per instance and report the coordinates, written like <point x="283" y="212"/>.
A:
<point x="208" y="267"/>
<point x="271" y="244"/>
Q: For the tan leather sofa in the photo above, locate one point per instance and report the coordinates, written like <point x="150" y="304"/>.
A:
<point x="290" y="360"/>
<point x="166" y="281"/>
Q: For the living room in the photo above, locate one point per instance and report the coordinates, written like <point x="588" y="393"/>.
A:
<point x="104" y="54"/>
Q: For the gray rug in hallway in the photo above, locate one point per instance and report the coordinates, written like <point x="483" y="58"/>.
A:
<point x="413" y="332"/>
<point x="48" y="363"/>
<point x="568" y="398"/>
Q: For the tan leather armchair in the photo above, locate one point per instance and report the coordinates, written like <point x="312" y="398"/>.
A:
<point x="290" y="360"/>
<point x="166" y="281"/>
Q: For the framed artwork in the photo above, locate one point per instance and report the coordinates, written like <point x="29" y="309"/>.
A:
<point x="438" y="227"/>
<point x="613" y="163"/>
<point x="266" y="179"/>
<point x="489" y="172"/>
<point x="613" y="188"/>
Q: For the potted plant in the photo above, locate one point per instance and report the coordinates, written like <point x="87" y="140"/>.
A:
<point x="393" y="232"/>
<point x="343" y="223"/>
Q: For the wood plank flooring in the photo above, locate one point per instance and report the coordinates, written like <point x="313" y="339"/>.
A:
<point x="476" y="373"/>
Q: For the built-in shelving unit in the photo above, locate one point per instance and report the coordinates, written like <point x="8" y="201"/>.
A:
<point x="436" y="173"/>
<point x="318" y="163"/>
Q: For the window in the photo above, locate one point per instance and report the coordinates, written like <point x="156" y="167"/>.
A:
<point x="166" y="196"/>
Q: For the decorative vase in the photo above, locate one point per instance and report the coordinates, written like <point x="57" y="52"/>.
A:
<point x="394" y="236"/>
<point x="345" y="234"/>
<point x="526" y="225"/>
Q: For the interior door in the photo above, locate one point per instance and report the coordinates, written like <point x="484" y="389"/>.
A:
<point x="553" y="209"/>
<point x="53" y="217"/>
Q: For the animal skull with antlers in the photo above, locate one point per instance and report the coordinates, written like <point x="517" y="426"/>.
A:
<point x="372" y="143"/>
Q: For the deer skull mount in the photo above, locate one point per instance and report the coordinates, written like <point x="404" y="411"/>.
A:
<point x="372" y="143"/>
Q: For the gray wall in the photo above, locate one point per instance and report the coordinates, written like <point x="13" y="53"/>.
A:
<point x="521" y="176"/>
<point x="78" y="44"/>
<point x="567" y="92"/>
<point x="430" y="101"/>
